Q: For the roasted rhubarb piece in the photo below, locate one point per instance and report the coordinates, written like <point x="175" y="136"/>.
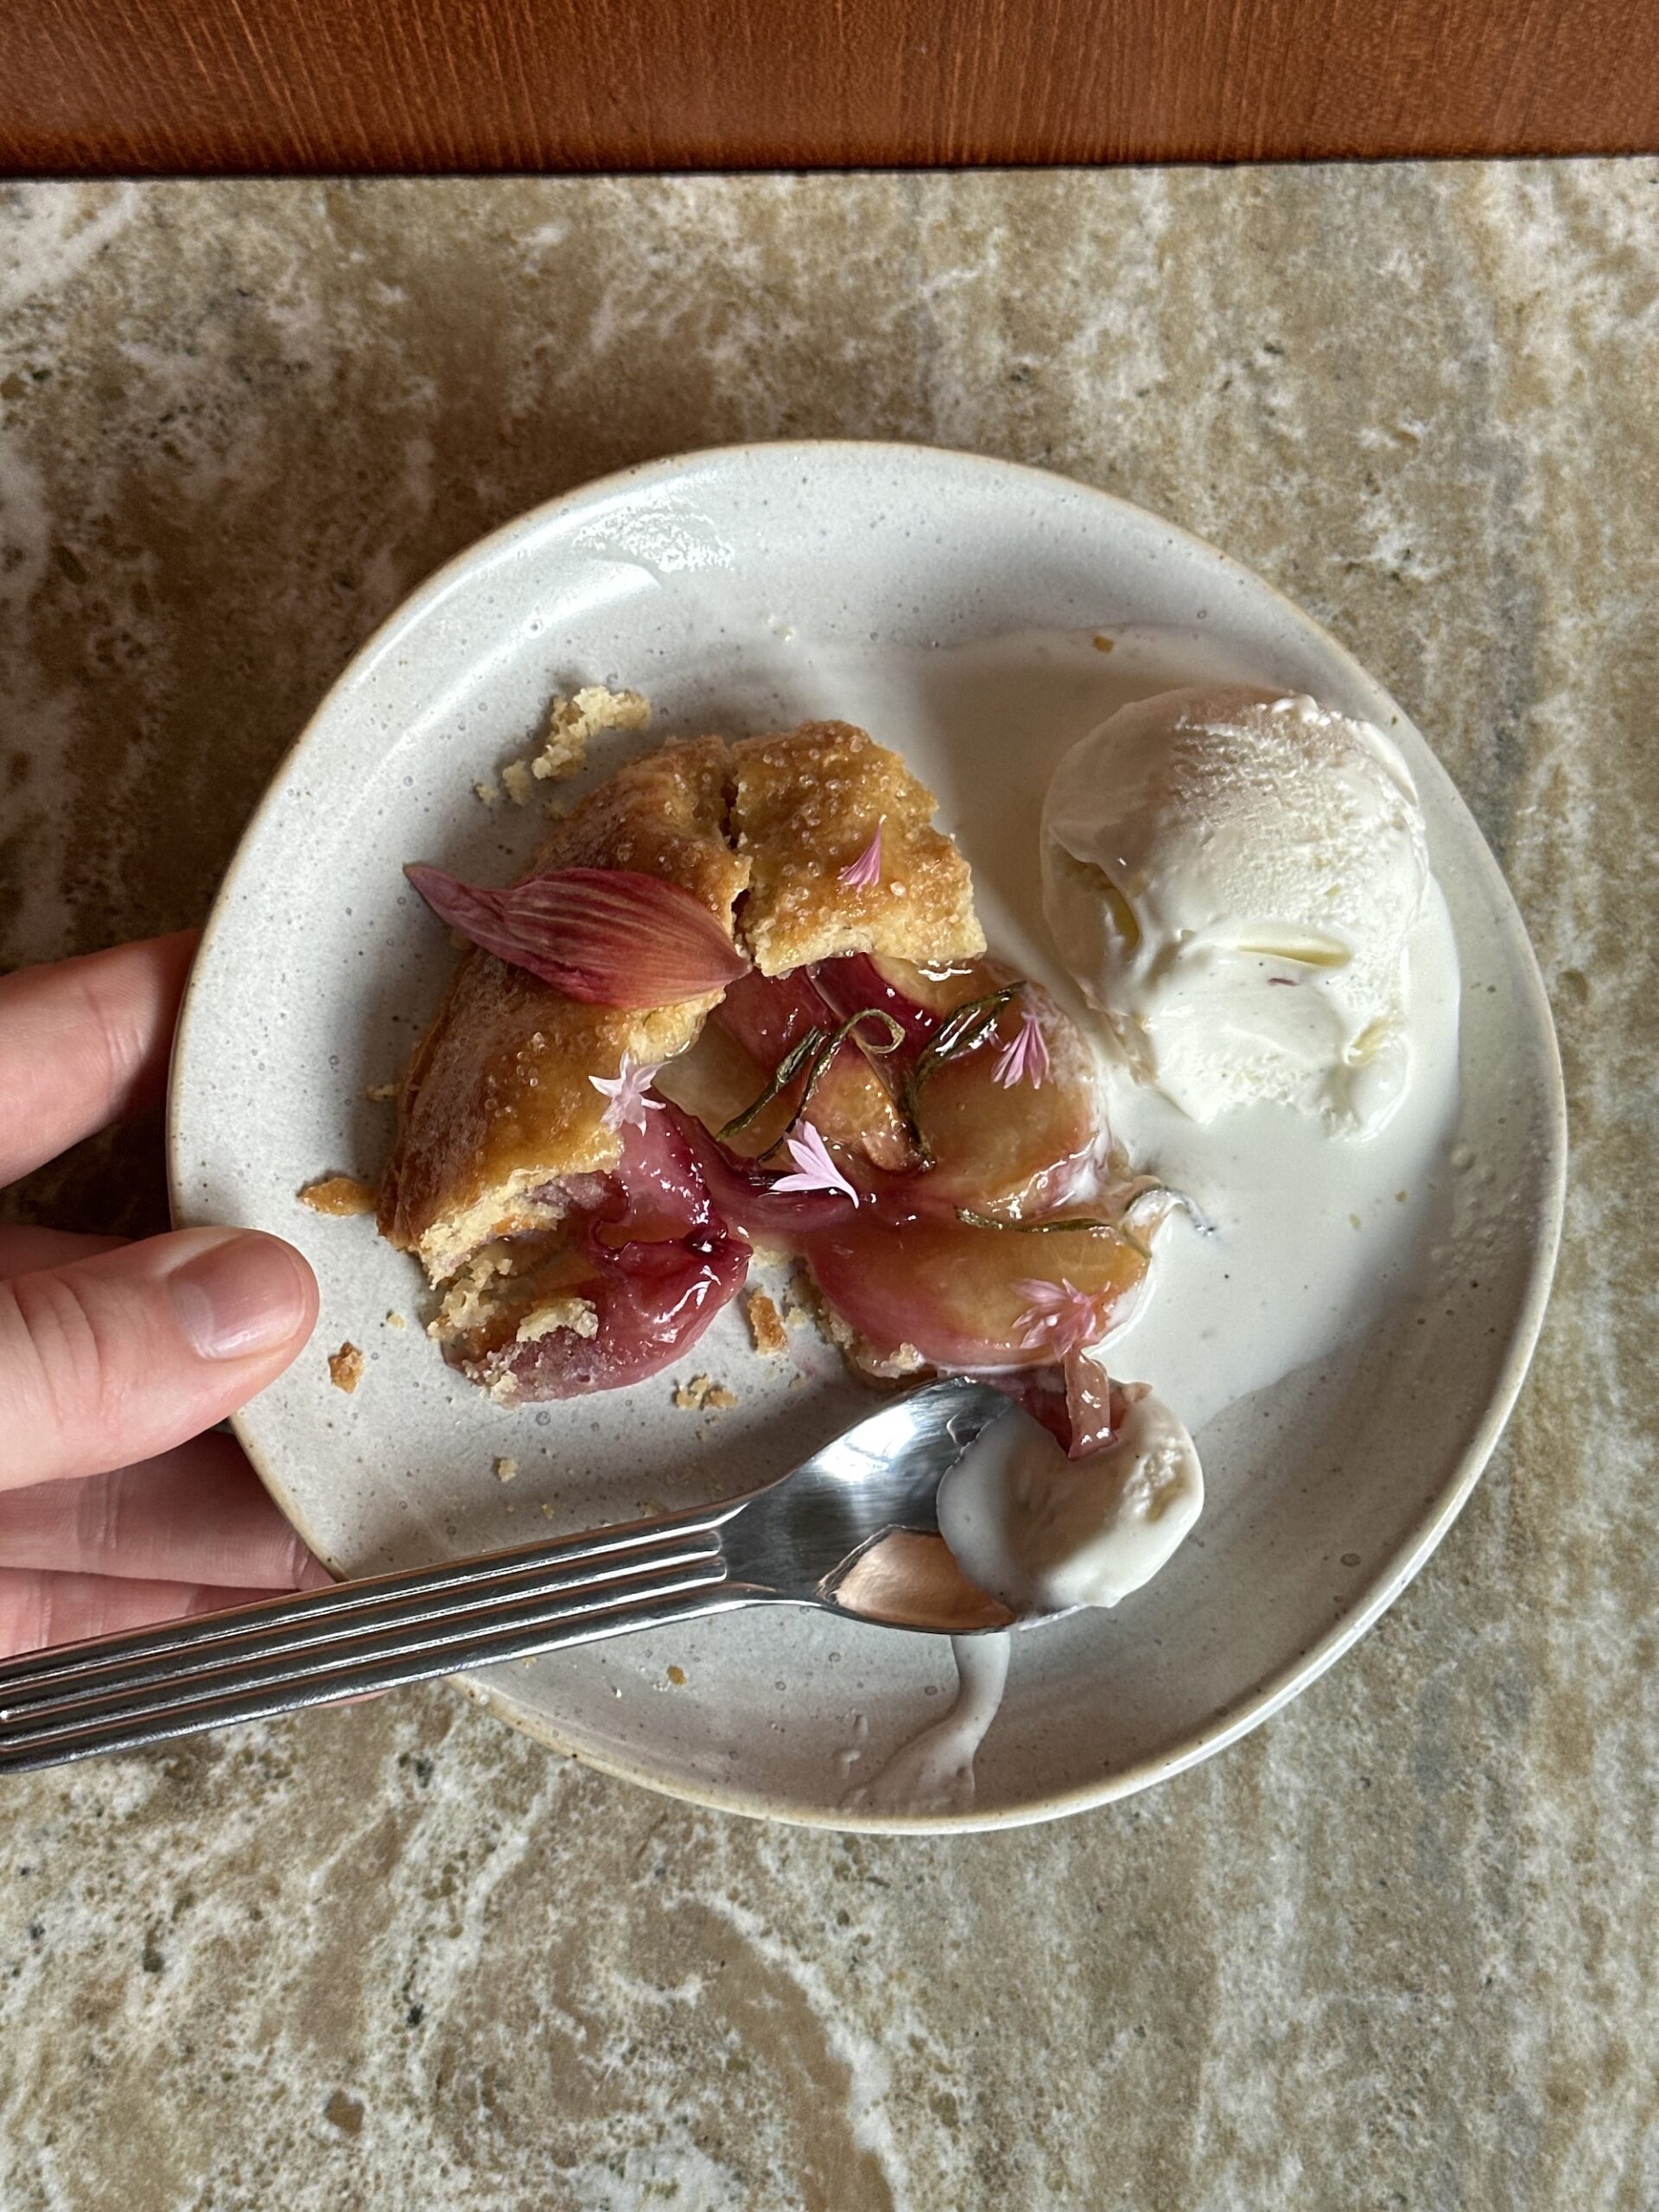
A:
<point x="930" y="1292"/>
<point x="1002" y="1123"/>
<point x="640" y="1265"/>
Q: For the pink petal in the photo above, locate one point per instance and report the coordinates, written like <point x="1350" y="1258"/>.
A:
<point x="864" y="873"/>
<point x="608" y="936"/>
<point x="1027" y="1056"/>
<point x="815" y="1170"/>
<point x="626" y="1092"/>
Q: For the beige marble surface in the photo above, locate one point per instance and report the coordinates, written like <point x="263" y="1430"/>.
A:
<point x="1397" y="1949"/>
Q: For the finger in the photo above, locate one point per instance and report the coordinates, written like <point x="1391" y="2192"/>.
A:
<point x="24" y="1247"/>
<point x="197" y="1514"/>
<point x="38" y="1610"/>
<point x="114" y="1359"/>
<point x="84" y="1042"/>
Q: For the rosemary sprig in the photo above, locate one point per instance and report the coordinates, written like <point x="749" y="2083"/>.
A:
<point x="782" y="1076"/>
<point x="895" y="1037"/>
<point x="962" y="1028"/>
<point x="813" y="1052"/>
<point x="1040" y="1228"/>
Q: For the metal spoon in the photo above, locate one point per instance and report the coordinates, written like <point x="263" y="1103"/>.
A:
<point x="853" y="1530"/>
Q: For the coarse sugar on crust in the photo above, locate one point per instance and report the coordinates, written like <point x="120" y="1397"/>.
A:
<point x="807" y="803"/>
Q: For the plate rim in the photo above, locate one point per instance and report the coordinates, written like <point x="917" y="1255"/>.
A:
<point x="1395" y="1572"/>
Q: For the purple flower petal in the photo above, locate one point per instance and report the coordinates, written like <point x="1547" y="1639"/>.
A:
<point x="865" y="873"/>
<point x="1027" y="1058"/>
<point x="814" y="1168"/>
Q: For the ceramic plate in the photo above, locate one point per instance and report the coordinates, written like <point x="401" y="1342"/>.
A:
<point x="981" y="617"/>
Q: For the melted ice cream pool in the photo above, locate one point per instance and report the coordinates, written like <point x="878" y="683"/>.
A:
<point x="1301" y="1238"/>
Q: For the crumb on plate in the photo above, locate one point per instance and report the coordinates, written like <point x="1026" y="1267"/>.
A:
<point x="346" y="1368"/>
<point x="563" y="752"/>
<point x="396" y="1320"/>
<point x="339" y="1194"/>
<point x="489" y="793"/>
<point x="678" y="1676"/>
<point x="765" y="1322"/>
<point x="703" y="1394"/>
<point x="505" y="1469"/>
<point x="377" y="1093"/>
<point x="571" y="722"/>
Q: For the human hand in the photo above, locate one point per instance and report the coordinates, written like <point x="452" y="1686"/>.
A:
<point x="115" y="1510"/>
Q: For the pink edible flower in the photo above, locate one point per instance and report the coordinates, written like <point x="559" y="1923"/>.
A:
<point x="607" y="935"/>
<point x="1060" y="1316"/>
<point x="865" y="873"/>
<point x="1026" y="1056"/>
<point x="813" y="1169"/>
<point x="626" y="1091"/>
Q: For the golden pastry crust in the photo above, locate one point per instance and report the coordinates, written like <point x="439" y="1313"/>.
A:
<point x="499" y="1101"/>
<point x="806" y="804"/>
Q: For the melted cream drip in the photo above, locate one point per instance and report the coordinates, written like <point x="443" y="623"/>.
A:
<point x="934" y="1772"/>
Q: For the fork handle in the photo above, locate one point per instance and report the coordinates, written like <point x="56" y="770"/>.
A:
<point x="148" y="1687"/>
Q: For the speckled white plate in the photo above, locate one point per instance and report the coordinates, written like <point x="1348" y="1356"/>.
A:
<point x="962" y="609"/>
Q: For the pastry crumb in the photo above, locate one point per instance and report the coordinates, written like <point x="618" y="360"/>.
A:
<point x="346" y="1368"/>
<point x="546" y="1512"/>
<point x="678" y="1676"/>
<point x="395" y="1320"/>
<point x="489" y="793"/>
<point x="579" y="1315"/>
<point x="339" y="1194"/>
<point x="703" y="1394"/>
<point x="506" y="1470"/>
<point x="765" y="1322"/>
<point x="464" y="1303"/>
<point x="377" y="1093"/>
<point x="571" y="722"/>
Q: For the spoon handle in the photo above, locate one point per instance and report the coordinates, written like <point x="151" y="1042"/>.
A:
<point x="151" y="1685"/>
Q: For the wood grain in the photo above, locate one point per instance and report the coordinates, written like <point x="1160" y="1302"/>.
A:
<point x="152" y="87"/>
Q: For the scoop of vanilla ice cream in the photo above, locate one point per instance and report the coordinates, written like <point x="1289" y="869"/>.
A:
<point x="1232" y="876"/>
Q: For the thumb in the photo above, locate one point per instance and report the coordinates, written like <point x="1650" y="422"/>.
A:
<point x="110" y="1360"/>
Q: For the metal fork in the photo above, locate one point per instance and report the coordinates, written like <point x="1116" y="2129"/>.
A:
<point x="793" y="1543"/>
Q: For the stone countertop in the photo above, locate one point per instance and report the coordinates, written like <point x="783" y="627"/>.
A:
<point x="1398" y="1946"/>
